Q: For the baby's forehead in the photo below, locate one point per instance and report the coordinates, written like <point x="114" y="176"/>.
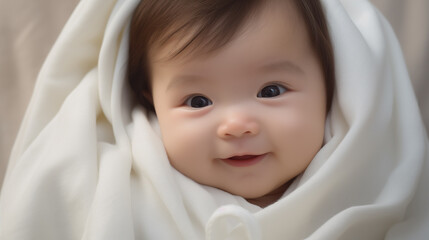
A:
<point x="270" y="46"/>
<point x="204" y="37"/>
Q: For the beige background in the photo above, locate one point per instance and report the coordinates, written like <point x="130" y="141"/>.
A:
<point x="29" y="28"/>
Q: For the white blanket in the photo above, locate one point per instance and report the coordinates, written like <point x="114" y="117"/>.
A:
<point x="89" y="164"/>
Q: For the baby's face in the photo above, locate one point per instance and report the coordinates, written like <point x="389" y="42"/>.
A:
<point x="249" y="117"/>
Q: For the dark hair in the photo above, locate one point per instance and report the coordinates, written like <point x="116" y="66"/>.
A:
<point x="213" y="24"/>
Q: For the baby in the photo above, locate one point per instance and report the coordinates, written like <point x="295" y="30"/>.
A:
<point x="241" y="89"/>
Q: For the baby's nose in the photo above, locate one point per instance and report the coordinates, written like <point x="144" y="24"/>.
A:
<point x="237" y="125"/>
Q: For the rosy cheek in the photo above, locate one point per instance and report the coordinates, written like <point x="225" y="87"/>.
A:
<point x="183" y="137"/>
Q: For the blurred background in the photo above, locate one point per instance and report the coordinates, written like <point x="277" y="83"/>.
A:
<point x="29" y="28"/>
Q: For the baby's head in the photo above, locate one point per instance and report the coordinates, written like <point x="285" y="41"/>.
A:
<point x="241" y="89"/>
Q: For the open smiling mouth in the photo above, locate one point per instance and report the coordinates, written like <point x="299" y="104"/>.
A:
<point x="244" y="160"/>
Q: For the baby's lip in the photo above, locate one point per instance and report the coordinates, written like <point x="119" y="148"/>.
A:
<point x="244" y="157"/>
<point x="244" y="160"/>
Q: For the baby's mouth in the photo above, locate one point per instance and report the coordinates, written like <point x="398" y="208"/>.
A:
<point x="244" y="157"/>
<point x="244" y="160"/>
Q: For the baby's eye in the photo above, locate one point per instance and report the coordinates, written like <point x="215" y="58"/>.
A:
<point x="198" y="101"/>
<point x="271" y="91"/>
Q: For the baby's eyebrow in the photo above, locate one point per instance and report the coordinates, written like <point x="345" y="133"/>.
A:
<point x="283" y="65"/>
<point x="183" y="79"/>
<point x="276" y="66"/>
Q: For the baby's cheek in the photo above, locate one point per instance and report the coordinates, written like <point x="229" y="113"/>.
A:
<point x="184" y="143"/>
<point x="299" y="135"/>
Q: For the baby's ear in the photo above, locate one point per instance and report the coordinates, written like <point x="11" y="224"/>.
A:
<point x="146" y="100"/>
<point x="148" y="96"/>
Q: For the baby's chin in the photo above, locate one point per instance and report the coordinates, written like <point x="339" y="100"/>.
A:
<point x="261" y="194"/>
